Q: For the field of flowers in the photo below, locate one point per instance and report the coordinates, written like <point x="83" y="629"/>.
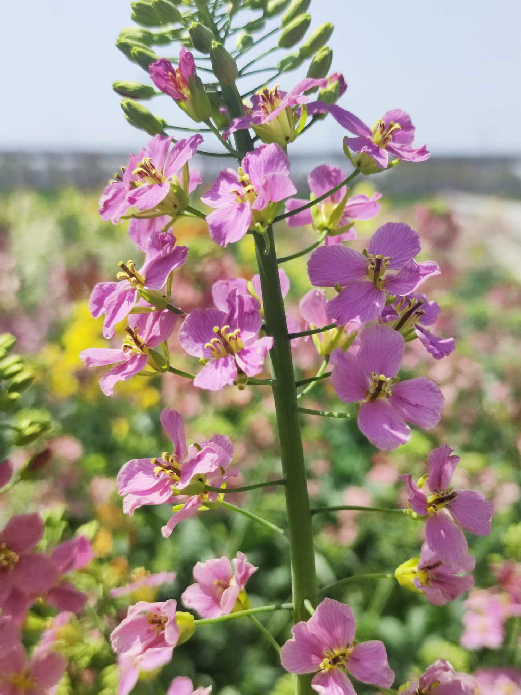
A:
<point x="53" y="250"/>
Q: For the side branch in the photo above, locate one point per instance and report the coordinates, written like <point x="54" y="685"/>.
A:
<point x="245" y="488"/>
<point x="356" y="508"/>
<point x="312" y="379"/>
<point x="253" y="517"/>
<point x="355" y="578"/>
<point x="305" y="251"/>
<point x="323" y="413"/>
<point x="312" y="331"/>
<point x="244" y="614"/>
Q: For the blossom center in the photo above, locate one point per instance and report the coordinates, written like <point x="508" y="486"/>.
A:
<point x="134" y="342"/>
<point x="169" y="466"/>
<point x="157" y="622"/>
<point x="130" y="274"/>
<point x="225" y="343"/>
<point x="21" y="681"/>
<point x="380" y="387"/>
<point x="383" y="134"/>
<point x="247" y="193"/>
<point x="8" y="558"/>
<point x="425" y="574"/>
<point x="440" y="499"/>
<point x="334" y="658"/>
<point x="147" y="173"/>
<point x="409" y="311"/>
<point x="376" y="267"/>
<point x="179" y="83"/>
<point x="269" y="99"/>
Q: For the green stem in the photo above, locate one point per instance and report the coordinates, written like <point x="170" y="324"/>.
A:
<point x="215" y="154"/>
<point x="313" y="379"/>
<point x="311" y="385"/>
<point x="179" y="372"/>
<point x="255" y="43"/>
<point x="245" y="488"/>
<point x="257" y="71"/>
<point x="305" y="251"/>
<point x="356" y="508"/>
<point x="345" y="182"/>
<point x="253" y="517"/>
<point x="323" y="413"/>
<point x="175" y="310"/>
<point x="259" y="382"/>
<point x="312" y="331"/>
<point x="269" y="637"/>
<point x="257" y="58"/>
<point x="219" y="137"/>
<point x="260" y="86"/>
<point x="187" y="130"/>
<point x="195" y="212"/>
<point x="244" y="614"/>
<point x="356" y="578"/>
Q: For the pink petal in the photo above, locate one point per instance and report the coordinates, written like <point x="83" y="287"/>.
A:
<point x="349" y="380"/>
<point x="472" y="511"/>
<point x="349" y="121"/>
<point x="157" y="150"/>
<point x="113" y="202"/>
<point x="22" y="532"/>
<point x="418" y="401"/>
<point x="222" y="288"/>
<point x="333" y="682"/>
<point x="48" y="669"/>
<point x="243" y="569"/>
<point x="6" y="472"/>
<point x="329" y="265"/>
<point x="251" y="358"/>
<point x="148" y="196"/>
<point x="197" y="330"/>
<point x="157" y="271"/>
<point x="122" y="372"/>
<point x="66" y="597"/>
<point x="73" y="554"/>
<point x="417" y="499"/>
<point x="223" y="446"/>
<point x="323" y="178"/>
<point x="157" y="326"/>
<point x="409" y="154"/>
<point x="224" y="191"/>
<point x="381" y="350"/>
<point x="180" y="686"/>
<point x="244" y="314"/>
<point x="230" y="223"/>
<point x="190" y="508"/>
<point x="397" y="241"/>
<point x="302" y="653"/>
<point x="202" y="463"/>
<point x="437" y="347"/>
<point x="194" y="180"/>
<point x="301" y="219"/>
<point x="97" y="357"/>
<point x="332" y="624"/>
<point x="9" y="635"/>
<point x="118" y="306"/>
<point x="265" y="159"/>
<point x="361" y="301"/>
<point x="382" y="425"/>
<point x="173" y="425"/>
<point x="445" y="538"/>
<point x="368" y="663"/>
<point x="217" y="374"/>
<point x="131" y="635"/>
<point x="34" y="573"/>
<point x="140" y="230"/>
<point x="360" y="207"/>
<point x="406" y="280"/>
<point x="99" y="297"/>
<point x="229" y="599"/>
<point x="181" y="153"/>
<point x="275" y="187"/>
<point x="313" y="308"/>
<point x="442" y="464"/>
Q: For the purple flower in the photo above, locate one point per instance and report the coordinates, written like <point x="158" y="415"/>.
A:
<point x="337" y="212"/>
<point x="448" y="509"/>
<point x="150" y="180"/>
<point x="228" y="342"/>
<point x="38" y="676"/>
<point x="439" y="679"/>
<point x="219" y="588"/>
<point x="438" y="579"/>
<point x="147" y="626"/>
<point x="116" y="299"/>
<point x="184" y="686"/>
<point x="145" y="331"/>
<point x="363" y="279"/>
<point x="174" y="81"/>
<point x="69" y="556"/>
<point x="129" y="667"/>
<point x="410" y="315"/>
<point x="250" y="196"/>
<point x="274" y="115"/>
<point x="325" y="645"/>
<point x="392" y="134"/>
<point x="312" y="307"/>
<point x="369" y="378"/>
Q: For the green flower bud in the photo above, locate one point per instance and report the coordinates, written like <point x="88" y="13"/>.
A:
<point x="201" y="109"/>
<point x="156" y="360"/>
<point x="6" y="342"/>
<point x="321" y="63"/>
<point x="21" y="381"/>
<point x="257" y="4"/>
<point x="143" y="56"/>
<point x="224" y="66"/>
<point x="140" y="117"/>
<point x="296" y="8"/>
<point x="275" y="7"/>
<point x="330" y="93"/>
<point x="255" y="24"/>
<point x="31" y="424"/>
<point x="143" y="13"/>
<point x="8" y="401"/>
<point x="10" y="366"/>
<point x="137" y="34"/>
<point x="201" y="36"/>
<point x="134" y="90"/>
<point x="244" y="41"/>
<point x="166" y="11"/>
<point x="185" y="623"/>
<point x="317" y="39"/>
<point x="294" y="31"/>
<point x="291" y="62"/>
<point x="126" y="45"/>
<point x="163" y="38"/>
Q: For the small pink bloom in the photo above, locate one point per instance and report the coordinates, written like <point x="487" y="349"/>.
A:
<point x="325" y="644"/>
<point x="145" y="579"/>
<point x="117" y="299"/>
<point x="220" y="589"/>
<point x="392" y="134"/>
<point x="145" y="331"/>
<point x="250" y="196"/>
<point x="312" y="308"/>
<point x="498" y="681"/>
<point x="447" y="509"/>
<point x="369" y="378"/>
<point x="439" y="679"/>
<point x="70" y="556"/>
<point x="184" y="686"/>
<point x="174" y="81"/>
<point x="147" y="626"/>
<point x="387" y="267"/>
<point x="38" y="676"/>
<point x="129" y="667"/>
<point x="145" y="183"/>
<point x="484" y="619"/>
<point x="228" y="342"/>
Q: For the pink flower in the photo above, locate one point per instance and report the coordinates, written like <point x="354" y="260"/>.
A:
<point x="9" y="634"/>
<point x="337" y="212"/>
<point x="392" y="134"/>
<point x="448" y="509"/>
<point x="20" y="567"/>
<point x="484" y="619"/>
<point x="364" y="279"/>
<point x="150" y="181"/>
<point x="37" y="676"/>
<point x="325" y="644"/>
<point x="433" y="576"/>
<point x="116" y="299"/>
<point x="174" y="81"/>
<point x="184" y="686"/>
<point x="143" y="579"/>
<point x="312" y="307"/>
<point x="219" y="589"/>
<point x="498" y="681"/>
<point x="70" y="556"/>
<point x="147" y="626"/>
<point x="6" y="472"/>
<point x="410" y="315"/>
<point x="228" y="342"/>
<point x="145" y="331"/>
<point x="129" y="667"/>
<point x="439" y="679"/>
<point x="369" y="378"/>
<point x="249" y="197"/>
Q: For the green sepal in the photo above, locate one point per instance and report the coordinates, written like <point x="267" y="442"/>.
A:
<point x="302" y="120"/>
<point x="201" y="36"/>
<point x="134" y="90"/>
<point x="143" y="56"/>
<point x="296" y="8"/>
<point x="157" y="361"/>
<point x="321" y="63"/>
<point x="317" y="39"/>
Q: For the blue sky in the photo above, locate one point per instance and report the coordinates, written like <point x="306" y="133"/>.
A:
<point x="452" y="64"/>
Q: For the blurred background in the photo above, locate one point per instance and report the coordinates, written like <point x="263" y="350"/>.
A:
<point x="454" y="67"/>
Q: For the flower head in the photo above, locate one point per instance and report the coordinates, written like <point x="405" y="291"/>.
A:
<point x="325" y="645"/>
<point x="69" y="556"/>
<point x="363" y="279"/>
<point x="184" y="686"/>
<point x="439" y="679"/>
<point x="150" y="181"/>
<point x="387" y="404"/>
<point x="219" y="588"/>
<point x="36" y="676"/>
<point x="182" y="84"/>
<point x="228" y="342"/>
<point x="145" y="332"/>
<point x="147" y="626"/>
<point x="249" y="197"/>
<point x="143" y="579"/>
<point x="447" y="508"/>
<point x="129" y="667"/>
<point x="116" y="299"/>
<point x="392" y="134"/>
<point x="312" y="307"/>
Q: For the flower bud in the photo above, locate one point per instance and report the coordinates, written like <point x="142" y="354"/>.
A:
<point x="134" y="90"/>
<point x="166" y="11"/>
<point x="156" y="360"/>
<point x="296" y="8"/>
<point x="21" y="381"/>
<point x="185" y="623"/>
<point x="257" y="4"/>
<point x="291" y="62"/>
<point x="137" y="34"/>
<point x="163" y="38"/>
<point x="294" y="31"/>
<point x="201" y="108"/>
<point x="201" y="36"/>
<point x="143" y="13"/>
<point x="317" y="39"/>
<point x="224" y="66"/>
<point x="10" y="366"/>
<point x="244" y="41"/>
<point x="140" y="117"/>
<point x="143" y="56"/>
<point x="8" y="401"/>
<point x="321" y="63"/>
<point x="275" y="7"/>
<point x="6" y="343"/>
<point x="30" y="425"/>
<point x="406" y="573"/>
<point x="255" y="24"/>
<point x="125" y="45"/>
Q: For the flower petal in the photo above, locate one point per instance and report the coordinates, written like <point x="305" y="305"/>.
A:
<point x="300" y="219"/>
<point x="251" y="358"/>
<point x="368" y="663"/>
<point x="445" y="538"/>
<point x="34" y="573"/>
<point x="472" y="511"/>
<point x="437" y="347"/>
<point x="217" y="374"/>
<point x="147" y="196"/>
<point x="442" y="464"/>
<point x="349" y="380"/>
<point x="180" y="153"/>
<point x="381" y="350"/>
<point x="173" y="424"/>
<point x="313" y="308"/>
<point x="222" y="288"/>
<point x="122" y="372"/>
<point x="265" y="159"/>
<point x="332" y="682"/>
<point x="359" y="301"/>
<point x="418" y="401"/>
<point x="229" y="223"/>
<point x="332" y="624"/>
<point x="302" y="653"/>
<point x="397" y="241"/>
<point x="403" y="282"/>
<point x="22" y="532"/>
<point x="197" y="331"/>
<point x="417" y="499"/>
<point x="349" y="121"/>
<point x="331" y="265"/>
<point x="382" y="425"/>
